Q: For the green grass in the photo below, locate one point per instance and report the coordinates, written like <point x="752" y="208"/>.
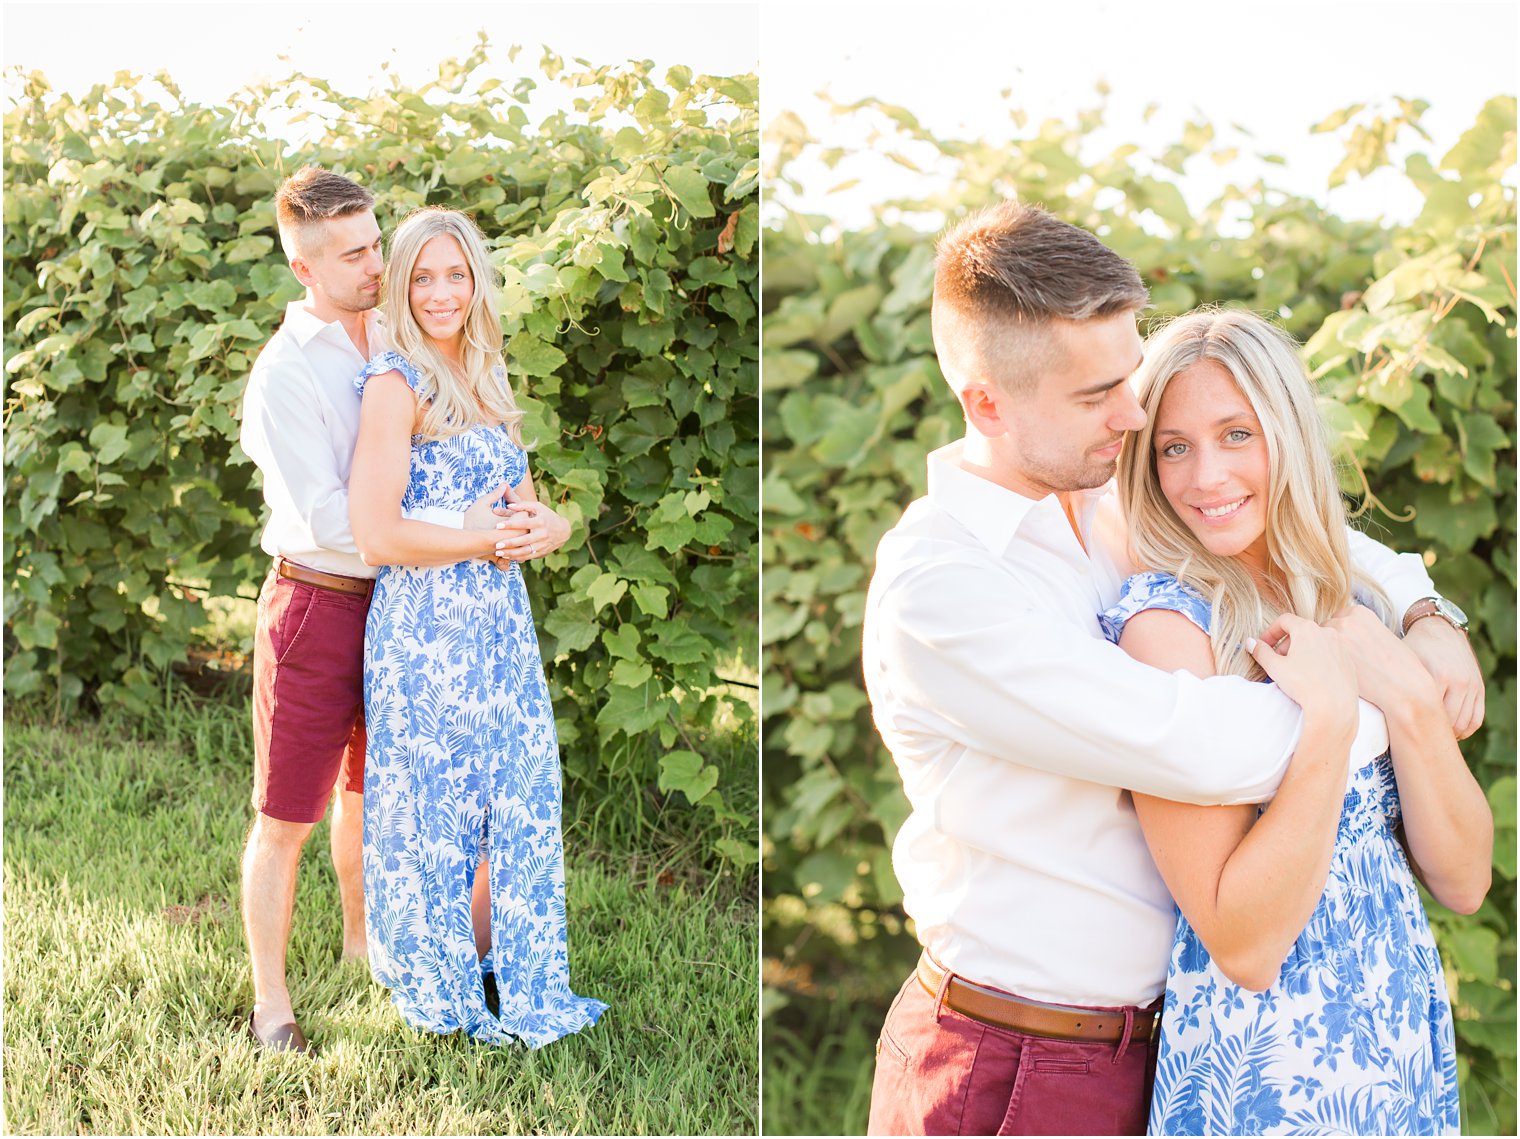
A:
<point x="127" y="985"/>
<point x="818" y="1074"/>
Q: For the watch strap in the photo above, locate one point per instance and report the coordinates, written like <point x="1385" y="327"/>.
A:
<point x="1429" y="607"/>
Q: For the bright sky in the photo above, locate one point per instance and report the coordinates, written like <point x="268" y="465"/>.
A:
<point x="212" y="49"/>
<point x="1272" y="67"/>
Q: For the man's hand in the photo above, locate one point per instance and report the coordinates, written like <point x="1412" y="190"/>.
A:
<point x="1449" y="659"/>
<point x="1388" y="673"/>
<point x="486" y="510"/>
<point x="486" y="513"/>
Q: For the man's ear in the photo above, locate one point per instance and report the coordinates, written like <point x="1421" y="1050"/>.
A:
<point x="983" y="407"/>
<point x="302" y="269"/>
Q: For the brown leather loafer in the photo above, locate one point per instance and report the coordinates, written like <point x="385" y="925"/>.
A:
<point x="285" y="1038"/>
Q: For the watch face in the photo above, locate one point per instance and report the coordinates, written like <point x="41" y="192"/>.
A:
<point x="1450" y="611"/>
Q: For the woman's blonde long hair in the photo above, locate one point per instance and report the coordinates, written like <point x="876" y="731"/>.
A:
<point x="474" y="393"/>
<point x="1307" y="553"/>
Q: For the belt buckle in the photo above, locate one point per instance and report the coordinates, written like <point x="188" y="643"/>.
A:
<point x="1155" y="1026"/>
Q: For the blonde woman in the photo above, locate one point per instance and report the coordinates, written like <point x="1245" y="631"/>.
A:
<point x="1305" y="993"/>
<point x="463" y="865"/>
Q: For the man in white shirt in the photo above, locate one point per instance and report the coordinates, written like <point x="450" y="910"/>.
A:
<point x="300" y="423"/>
<point x="1014" y="725"/>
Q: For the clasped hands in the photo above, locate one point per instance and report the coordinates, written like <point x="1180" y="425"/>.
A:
<point x="527" y="528"/>
<point x="1432" y="658"/>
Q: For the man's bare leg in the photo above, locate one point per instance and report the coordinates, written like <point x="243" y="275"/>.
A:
<point x="269" y="898"/>
<point x="347" y="839"/>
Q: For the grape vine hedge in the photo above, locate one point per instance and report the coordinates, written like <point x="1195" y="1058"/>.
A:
<point x="1410" y="329"/>
<point x="143" y="273"/>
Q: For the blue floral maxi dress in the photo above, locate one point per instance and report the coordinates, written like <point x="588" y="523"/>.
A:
<point x="1355" y="1037"/>
<point x="462" y="761"/>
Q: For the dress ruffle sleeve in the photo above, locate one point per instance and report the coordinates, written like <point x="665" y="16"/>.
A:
<point x="389" y="362"/>
<point x="1152" y="590"/>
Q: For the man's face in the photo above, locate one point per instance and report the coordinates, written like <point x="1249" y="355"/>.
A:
<point x="343" y="273"/>
<point x="1066" y="433"/>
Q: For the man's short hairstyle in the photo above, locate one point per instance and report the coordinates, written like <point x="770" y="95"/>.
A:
<point x="310" y="197"/>
<point x="1003" y="276"/>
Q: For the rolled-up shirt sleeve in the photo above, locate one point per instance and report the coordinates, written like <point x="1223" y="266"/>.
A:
<point x="1402" y="576"/>
<point x="949" y="656"/>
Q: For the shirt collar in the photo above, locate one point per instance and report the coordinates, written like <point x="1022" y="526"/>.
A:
<point x="306" y="325"/>
<point x="992" y="513"/>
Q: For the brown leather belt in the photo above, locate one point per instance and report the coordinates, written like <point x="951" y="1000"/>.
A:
<point x="337" y="582"/>
<point x="1003" y="1010"/>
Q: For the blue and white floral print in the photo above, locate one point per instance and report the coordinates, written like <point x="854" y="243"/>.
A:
<point x="1355" y="1037"/>
<point x="463" y="760"/>
<point x="1154" y="591"/>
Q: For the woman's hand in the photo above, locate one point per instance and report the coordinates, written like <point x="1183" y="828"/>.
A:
<point x="530" y="529"/>
<point x="1387" y="672"/>
<point x="1313" y="667"/>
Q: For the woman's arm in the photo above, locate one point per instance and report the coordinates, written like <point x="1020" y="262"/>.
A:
<point x="1447" y="821"/>
<point x="377" y="481"/>
<point x="1248" y="885"/>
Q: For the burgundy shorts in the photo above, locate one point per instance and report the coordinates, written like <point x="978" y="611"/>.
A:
<point x="308" y="698"/>
<point x="943" y="1073"/>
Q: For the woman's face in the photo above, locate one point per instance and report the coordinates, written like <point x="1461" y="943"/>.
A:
<point x="440" y="289"/>
<point x="1212" y="463"/>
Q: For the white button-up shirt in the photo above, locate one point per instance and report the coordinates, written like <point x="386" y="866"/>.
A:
<point x="1015" y="724"/>
<point x="300" y="424"/>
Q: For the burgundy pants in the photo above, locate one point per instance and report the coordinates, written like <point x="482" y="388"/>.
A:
<point x="939" y="1072"/>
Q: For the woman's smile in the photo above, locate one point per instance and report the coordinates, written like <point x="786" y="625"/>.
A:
<point x="1223" y="512"/>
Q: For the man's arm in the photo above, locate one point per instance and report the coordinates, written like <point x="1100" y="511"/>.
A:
<point x="1018" y="683"/>
<point x="1402" y="576"/>
<point x="1443" y="650"/>
<point x="285" y="434"/>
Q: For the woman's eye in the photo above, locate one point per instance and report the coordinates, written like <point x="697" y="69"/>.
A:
<point x="1173" y="450"/>
<point x="1238" y="435"/>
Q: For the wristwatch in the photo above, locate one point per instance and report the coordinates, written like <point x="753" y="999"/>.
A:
<point x="1435" y="607"/>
